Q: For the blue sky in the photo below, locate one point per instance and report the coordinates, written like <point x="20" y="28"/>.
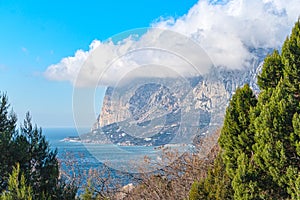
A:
<point x="36" y="34"/>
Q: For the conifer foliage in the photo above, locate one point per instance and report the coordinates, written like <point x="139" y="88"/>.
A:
<point x="217" y="184"/>
<point x="236" y="137"/>
<point x="17" y="188"/>
<point x="272" y="71"/>
<point x="260" y="138"/>
<point x="36" y="164"/>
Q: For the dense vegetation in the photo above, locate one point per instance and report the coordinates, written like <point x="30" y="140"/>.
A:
<point x="260" y="138"/>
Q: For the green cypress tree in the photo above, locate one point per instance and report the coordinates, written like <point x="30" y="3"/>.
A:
<point x="272" y="71"/>
<point x="216" y="186"/>
<point x="272" y="129"/>
<point x="250" y="182"/>
<point x="273" y="170"/>
<point x="236" y="136"/>
<point x="293" y="171"/>
<point x="261" y="141"/>
<point x="277" y="137"/>
<point x="291" y="61"/>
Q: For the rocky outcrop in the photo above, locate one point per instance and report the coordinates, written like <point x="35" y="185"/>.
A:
<point x="161" y="111"/>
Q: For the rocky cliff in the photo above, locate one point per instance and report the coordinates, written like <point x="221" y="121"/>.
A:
<point x="162" y="111"/>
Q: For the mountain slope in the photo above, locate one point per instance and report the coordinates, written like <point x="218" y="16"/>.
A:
<point x="171" y="110"/>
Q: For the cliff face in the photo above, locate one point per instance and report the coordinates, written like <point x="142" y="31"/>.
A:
<point x="161" y="111"/>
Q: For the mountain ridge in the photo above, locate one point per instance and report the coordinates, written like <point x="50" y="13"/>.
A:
<point x="161" y="111"/>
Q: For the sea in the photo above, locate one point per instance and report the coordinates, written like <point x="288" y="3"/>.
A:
<point x="92" y="155"/>
<point x="85" y="156"/>
<point x="70" y="150"/>
<point x="122" y="163"/>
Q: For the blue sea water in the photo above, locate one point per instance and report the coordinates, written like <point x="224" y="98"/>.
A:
<point x="93" y="155"/>
<point x="66" y="150"/>
<point x="78" y="156"/>
<point x="122" y="161"/>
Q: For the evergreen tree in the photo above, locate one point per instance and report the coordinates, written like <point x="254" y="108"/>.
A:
<point x="216" y="186"/>
<point x="250" y="181"/>
<point x="274" y="149"/>
<point x="17" y="188"/>
<point x="291" y="61"/>
<point x="293" y="173"/>
<point x="7" y="132"/>
<point x="37" y="162"/>
<point x="272" y="71"/>
<point x="236" y="137"/>
<point x="276" y="130"/>
<point x="261" y="141"/>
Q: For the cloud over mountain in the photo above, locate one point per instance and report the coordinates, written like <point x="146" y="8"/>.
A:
<point x="218" y="32"/>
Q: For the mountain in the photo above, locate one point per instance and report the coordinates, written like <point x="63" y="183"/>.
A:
<point x="171" y="110"/>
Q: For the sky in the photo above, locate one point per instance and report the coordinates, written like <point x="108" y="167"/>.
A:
<point x="44" y="45"/>
<point x="35" y="34"/>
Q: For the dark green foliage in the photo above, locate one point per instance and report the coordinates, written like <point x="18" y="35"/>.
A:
<point x="272" y="71"/>
<point x="277" y="133"/>
<point x="7" y="133"/>
<point x="217" y="184"/>
<point x="291" y="61"/>
<point x="37" y="162"/>
<point x="236" y="138"/>
<point x="273" y="150"/>
<point x="250" y="182"/>
<point x="260" y="140"/>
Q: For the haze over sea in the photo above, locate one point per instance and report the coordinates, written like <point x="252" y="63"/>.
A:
<point x="92" y="155"/>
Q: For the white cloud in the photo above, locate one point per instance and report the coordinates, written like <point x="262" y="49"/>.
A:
<point x="225" y="30"/>
<point x="68" y="68"/>
<point x="106" y="63"/>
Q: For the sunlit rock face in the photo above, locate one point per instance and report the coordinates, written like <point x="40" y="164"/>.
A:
<point x="172" y="110"/>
